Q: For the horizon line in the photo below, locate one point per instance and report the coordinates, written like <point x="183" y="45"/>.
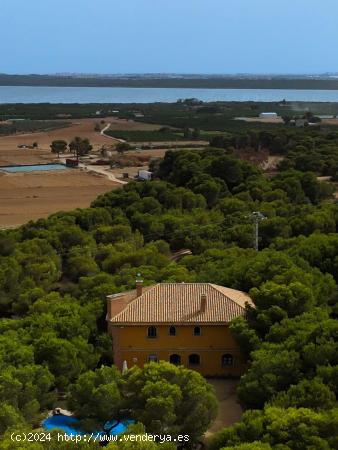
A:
<point x="170" y="74"/>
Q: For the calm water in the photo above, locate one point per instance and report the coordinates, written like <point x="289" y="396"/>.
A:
<point x="38" y="167"/>
<point x="29" y="94"/>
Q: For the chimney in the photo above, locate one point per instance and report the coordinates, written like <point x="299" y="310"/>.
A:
<point x="203" y="303"/>
<point x="109" y="309"/>
<point x="139" y="285"/>
<point x="115" y="304"/>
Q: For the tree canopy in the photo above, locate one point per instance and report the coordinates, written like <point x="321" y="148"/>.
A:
<point x="55" y="274"/>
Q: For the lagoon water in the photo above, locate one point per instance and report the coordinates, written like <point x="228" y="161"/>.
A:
<point x="42" y="94"/>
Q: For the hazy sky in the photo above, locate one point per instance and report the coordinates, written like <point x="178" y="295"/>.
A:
<point x="181" y="36"/>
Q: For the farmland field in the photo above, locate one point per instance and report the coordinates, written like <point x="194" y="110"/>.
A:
<point x="30" y="196"/>
<point x="11" y="154"/>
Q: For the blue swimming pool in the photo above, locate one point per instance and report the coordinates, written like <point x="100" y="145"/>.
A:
<point x="70" y="425"/>
<point x="33" y="168"/>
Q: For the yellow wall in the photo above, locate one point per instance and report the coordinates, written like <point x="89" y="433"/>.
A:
<point x="131" y="344"/>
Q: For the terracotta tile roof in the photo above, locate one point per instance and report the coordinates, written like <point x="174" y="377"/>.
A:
<point x="181" y="303"/>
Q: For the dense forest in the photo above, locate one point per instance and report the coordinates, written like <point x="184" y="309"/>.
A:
<point x="55" y="274"/>
<point x="312" y="150"/>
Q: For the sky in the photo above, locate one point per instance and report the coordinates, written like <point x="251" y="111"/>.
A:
<point x="168" y="36"/>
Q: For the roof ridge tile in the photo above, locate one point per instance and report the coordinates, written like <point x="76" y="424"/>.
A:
<point x="180" y="303"/>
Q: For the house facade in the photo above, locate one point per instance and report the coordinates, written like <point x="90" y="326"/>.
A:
<point x="182" y="323"/>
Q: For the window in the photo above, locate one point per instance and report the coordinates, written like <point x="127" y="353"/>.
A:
<point x="197" y="331"/>
<point x="175" y="359"/>
<point x="227" y="360"/>
<point x="172" y="331"/>
<point x="152" y="332"/>
<point x="152" y="358"/>
<point x="194" y="360"/>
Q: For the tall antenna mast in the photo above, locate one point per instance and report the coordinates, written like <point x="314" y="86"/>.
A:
<point x="256" y="218"/>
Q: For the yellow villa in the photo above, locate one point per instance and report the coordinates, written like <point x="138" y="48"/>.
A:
<point x="183" y="323"/>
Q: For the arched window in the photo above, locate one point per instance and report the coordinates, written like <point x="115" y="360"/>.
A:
<point x="197" y="331"/>
<point x="152" y="358"/>
<point x="175" y="359"/>
<point x="172" y="331"/>
<point x="194" y="360"/>
<point x="227" y="360"/>
<point x="152" y="332"/>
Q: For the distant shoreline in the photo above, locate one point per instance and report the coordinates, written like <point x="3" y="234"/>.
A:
<point x="306" y="83"/>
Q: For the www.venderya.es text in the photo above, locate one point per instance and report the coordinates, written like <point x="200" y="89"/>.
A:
<point x="94" y="437"/>
<point x="160" y="438"/>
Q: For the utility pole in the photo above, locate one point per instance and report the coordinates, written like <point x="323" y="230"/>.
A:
<point x="256" y="218"/>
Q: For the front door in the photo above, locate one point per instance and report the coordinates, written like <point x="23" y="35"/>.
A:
<point x="175" y="359"/>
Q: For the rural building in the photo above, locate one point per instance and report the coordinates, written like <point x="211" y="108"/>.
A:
<point x="72" y="162"/>
<point x="268" y="115"/>
<point x="183" y="323"/>
<point x="144" y="175"/>
<point x="106" y="153"/>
